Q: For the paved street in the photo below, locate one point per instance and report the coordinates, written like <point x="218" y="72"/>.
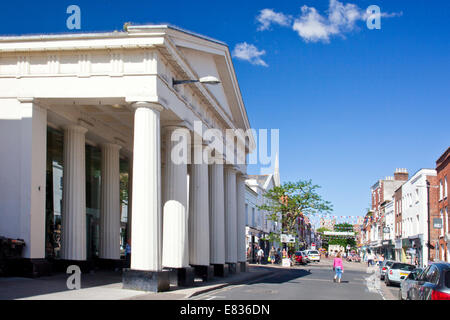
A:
<point x="314" y="281"/>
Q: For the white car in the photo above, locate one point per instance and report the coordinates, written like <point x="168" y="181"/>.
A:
<point x="313" y="255"/>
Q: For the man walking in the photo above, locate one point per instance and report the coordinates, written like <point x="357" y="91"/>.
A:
<point x="260" y="255"/>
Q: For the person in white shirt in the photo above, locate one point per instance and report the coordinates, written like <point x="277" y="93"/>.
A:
<point x="260" y="255"/>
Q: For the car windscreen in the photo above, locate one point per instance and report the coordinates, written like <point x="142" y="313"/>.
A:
<point x="313" y="252"/>
<point x="403" y="266"/>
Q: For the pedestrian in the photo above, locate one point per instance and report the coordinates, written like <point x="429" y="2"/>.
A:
<point x="260" y="255"/>
<point x="338" y="268"/>
<point x="370" y="258"/>
<point x="128" y="253"/>
<point x="272" y="255"/>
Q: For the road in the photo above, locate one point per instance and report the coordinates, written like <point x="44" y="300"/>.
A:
<point x="311" y="282"/>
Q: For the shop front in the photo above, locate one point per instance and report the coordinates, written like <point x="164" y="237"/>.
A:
<point x="388" y="250"/>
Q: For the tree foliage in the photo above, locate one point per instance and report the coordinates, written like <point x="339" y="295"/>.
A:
<point x="293" y="200"/>
<point x="344" y="242"/>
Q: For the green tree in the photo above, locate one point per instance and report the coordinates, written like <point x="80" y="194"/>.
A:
<point x="292" y="200"/>
<point x="343" y="241"/>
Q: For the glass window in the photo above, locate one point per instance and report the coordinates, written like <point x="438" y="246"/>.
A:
<point x="447" y="279"/>
<point x="54" y="191"/>
<point x="93" y="199"/>
<point x="433" y="275"/>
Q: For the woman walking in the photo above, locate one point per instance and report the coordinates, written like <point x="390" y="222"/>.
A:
<point x="338" y="267"/>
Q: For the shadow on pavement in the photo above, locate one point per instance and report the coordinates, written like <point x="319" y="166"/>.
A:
<point x="16" y="287"/>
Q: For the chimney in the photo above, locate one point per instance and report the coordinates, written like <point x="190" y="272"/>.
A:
<point x="401" y="174"/>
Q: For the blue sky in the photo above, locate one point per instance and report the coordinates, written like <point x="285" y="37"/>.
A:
<point x="350" y="110"/>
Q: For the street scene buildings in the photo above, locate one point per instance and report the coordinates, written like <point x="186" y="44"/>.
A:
<point x="132" y="169"/>
<point x="408" y="221"/>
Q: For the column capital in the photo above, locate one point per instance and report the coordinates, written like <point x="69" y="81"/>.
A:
<point x="111" y="145"/>
<point x="147" y="104"/>
<point x="177" y="124"/>
<point x="76" y="128"/>
<point x="231" y="167"/>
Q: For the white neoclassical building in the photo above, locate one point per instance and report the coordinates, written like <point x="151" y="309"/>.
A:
<point x="86" y="123"/>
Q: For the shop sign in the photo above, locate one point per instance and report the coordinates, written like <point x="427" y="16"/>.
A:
<point x="386" y="230"/>
<point x="437" y="223"/>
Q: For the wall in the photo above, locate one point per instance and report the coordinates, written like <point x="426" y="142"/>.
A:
<point x="23" y="134"/>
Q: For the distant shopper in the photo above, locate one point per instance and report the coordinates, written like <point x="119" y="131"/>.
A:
<point x="338" y="268"/>
<point x="370" y="258"/>
<point x="260" y="255"/>
<point x="272" y="254"/>
<point x="128" y="253"/>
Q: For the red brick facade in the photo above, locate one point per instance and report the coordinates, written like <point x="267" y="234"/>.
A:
<point x="438" y="236"/>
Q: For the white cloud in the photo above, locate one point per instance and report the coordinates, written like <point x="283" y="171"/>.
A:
<point x="250" y="53"/>
<point x="268" y="17"/>
<point x="311" y="26"/>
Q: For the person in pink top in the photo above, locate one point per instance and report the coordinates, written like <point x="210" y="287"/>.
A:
<point x="338" y="267"/>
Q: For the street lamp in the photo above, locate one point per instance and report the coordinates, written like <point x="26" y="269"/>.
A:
<point x="205" y="80"/>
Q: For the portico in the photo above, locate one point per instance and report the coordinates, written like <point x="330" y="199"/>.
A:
<point x="108" y="101"/>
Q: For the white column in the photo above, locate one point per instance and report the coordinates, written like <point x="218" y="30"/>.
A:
<point x="199" y="213"/>
<point x="146" y="207"/>
<point x="175" y="211"/>
<point x="110" y="205"/>
<point x="73" y="233"/>
<point x="230" y="215"/>
<point x="217" y="214"/>
<point x="240" y="232"/>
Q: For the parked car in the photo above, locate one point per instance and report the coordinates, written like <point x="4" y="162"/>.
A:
<point x="313" y="255"/>
<point x="397" y="272"/>
<point x="433" y="283"/>
<point x="384" y="266"/>
<point x="300" y="257"/>
<point x="408" y="283"/>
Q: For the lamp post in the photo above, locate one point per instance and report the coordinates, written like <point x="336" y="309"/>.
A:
<point x="205" y="80"/>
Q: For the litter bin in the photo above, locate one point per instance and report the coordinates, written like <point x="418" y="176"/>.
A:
<point x="9" y="249"/>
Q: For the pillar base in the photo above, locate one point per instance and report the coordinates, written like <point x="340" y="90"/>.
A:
<point x="243" y="266"/>
<point x="153" y="281"/>
<point x="231" y="267"/>
<point x="182" y="277"/>
<point x="220" y="270"/>
<point x="204" y="272"/>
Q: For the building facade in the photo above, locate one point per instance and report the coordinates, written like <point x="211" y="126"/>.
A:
<point x="259" y="226"/>
<point x="439" y="221"/>
<point x="89" y="122"/>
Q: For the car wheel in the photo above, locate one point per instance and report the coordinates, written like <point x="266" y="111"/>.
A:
<point x="388" y="283"/>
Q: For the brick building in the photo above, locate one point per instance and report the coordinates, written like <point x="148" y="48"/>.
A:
<point x="439" y="220"/>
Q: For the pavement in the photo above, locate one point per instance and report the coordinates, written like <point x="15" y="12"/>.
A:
<point x="262" y="282"/>
<point x="107" y="285"/>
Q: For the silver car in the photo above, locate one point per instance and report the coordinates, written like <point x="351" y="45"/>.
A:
<point x="313" y="255"/>
<point x="397" y="272"/>
<point x="384" y="266"/>
<point x="409" y="282"/>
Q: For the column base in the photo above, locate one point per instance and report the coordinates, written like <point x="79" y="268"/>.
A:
<point x="220" y="270"/>
<point x="243" y="266"/>
<point x="206" y="273"/>
<point x="231" y="267"/>
<point x="181" y="277"/>
<point x="153" y="281"/>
